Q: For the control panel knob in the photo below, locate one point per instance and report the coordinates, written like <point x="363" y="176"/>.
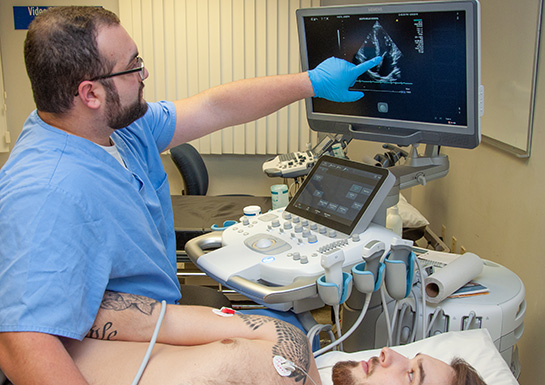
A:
<point x="312" y="238"/>
<point x="332" y="233"/>
<point x="275" y="223"/>
<point x="287" y="225"/>
<point x="298" y="228"/>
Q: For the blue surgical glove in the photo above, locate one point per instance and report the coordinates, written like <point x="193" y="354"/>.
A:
<point x="332" y="78"/>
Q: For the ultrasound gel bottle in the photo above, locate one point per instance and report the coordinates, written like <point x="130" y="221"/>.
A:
<point x="393" y="220"/>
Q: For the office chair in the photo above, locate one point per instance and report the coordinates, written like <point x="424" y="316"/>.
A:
<point x="195" y="212"/>
<point x="192" y="168"/>
<point x="195" y="176"/>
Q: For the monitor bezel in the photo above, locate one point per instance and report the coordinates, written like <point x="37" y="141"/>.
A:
<point x="404" y="132"/>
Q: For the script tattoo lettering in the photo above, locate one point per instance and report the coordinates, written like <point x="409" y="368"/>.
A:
<point x="102" y="334"/>
<point x="291" y="343"/>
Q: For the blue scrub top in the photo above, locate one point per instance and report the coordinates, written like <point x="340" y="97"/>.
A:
<point x="74" y="222"/>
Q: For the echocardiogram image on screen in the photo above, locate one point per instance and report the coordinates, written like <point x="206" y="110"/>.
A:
<point x="423" y="54"/>
<point x="379" y="43"/>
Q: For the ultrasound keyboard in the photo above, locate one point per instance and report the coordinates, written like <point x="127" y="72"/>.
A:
<point x="274" y="258"/>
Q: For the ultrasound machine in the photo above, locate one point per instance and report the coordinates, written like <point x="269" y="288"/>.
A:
<point x="330" y="245"/>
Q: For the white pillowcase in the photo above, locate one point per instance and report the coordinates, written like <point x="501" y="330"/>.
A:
<point x="474" y="346"/>
<point x="410" y="216"/>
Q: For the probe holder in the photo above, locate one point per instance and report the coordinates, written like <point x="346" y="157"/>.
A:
<point x="330" y="293"/>
<point x="367" y="281"/>
<point x="399" y="276"/>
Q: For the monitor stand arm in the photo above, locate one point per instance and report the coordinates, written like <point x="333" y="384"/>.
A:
<point x="420" y="169"/>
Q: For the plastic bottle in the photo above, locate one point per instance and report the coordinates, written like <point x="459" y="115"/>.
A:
<point x="279" y="195"/>
<point x="393" y="220"/>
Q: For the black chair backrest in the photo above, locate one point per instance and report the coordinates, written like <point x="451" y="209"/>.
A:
<point x="192" y="168"/>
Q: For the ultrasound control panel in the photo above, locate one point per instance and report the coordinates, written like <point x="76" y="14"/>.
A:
<point x="274" y="258"/>
<point x="279" y="249"/>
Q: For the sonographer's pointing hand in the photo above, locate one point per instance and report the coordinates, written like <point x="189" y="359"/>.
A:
<point x="332" y="78"/>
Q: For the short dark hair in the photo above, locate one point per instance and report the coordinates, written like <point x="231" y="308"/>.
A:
<point x="61" y="51"/>
<point x="465" y="374"/>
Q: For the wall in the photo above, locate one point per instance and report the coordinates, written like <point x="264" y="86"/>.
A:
<point x="19" y="95"/>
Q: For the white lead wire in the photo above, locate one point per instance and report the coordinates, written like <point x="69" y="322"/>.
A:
<point x="151" y="344"/>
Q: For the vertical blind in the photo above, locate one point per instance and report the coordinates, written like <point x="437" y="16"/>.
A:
<point x="192" y="45"/>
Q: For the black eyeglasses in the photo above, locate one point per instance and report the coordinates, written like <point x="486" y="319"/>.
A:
<point x="139" y="69"/>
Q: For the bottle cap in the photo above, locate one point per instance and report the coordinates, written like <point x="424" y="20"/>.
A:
<point x="252" y="211"/>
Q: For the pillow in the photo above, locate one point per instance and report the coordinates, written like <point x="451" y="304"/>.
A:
<point x="410" y="216"/>
<point x="474" y="346"/>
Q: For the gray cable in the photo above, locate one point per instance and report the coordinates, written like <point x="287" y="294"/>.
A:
<point x="151" y="344"/>
<point x="350" y="331"/>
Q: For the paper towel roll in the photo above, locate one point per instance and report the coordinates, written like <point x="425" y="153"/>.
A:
<point x="453" y="276"/>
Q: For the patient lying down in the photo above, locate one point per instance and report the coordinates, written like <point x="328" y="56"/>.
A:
<point x="244" y="361"/>
<point x="198" y="346"/>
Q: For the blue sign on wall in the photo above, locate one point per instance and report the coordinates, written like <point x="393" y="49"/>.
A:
<point x="22" y="16"/>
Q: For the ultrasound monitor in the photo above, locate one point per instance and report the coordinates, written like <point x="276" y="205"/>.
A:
<point x="427" y="87"/>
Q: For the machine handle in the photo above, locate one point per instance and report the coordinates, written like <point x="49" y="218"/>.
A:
<point x="301" y="288"/>
<point x="195" y="247"/>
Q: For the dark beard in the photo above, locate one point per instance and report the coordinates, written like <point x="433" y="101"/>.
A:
<point x="120" y="117"/>
<point x="342" y="371"/>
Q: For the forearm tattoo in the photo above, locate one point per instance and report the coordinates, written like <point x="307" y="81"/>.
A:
<point x="121" y="301"/>
<point x="115" y="301"/>
<point x="291" y="343"/>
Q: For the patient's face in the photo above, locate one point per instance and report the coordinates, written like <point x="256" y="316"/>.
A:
<point x="392" y="368"/>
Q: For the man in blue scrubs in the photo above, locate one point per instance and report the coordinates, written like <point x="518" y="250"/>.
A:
<point x="84" y="199"/>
